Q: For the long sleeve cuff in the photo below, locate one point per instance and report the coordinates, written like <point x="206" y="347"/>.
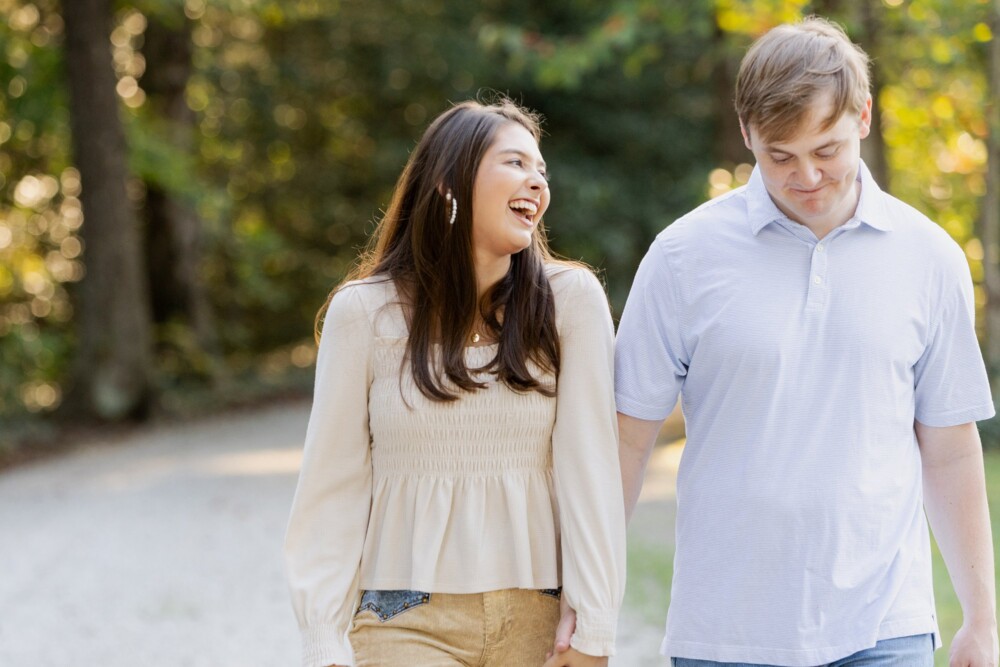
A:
<point x="595" y="632"/>
<point x="325" y="645"/>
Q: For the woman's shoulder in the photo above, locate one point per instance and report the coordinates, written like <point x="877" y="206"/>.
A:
<point x="361" y="298"/>
<point x="572" y="279"/>
<point x="373" y="291"/>
<point x="580" y="299"/>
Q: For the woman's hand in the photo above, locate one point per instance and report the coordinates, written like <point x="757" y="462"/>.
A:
<point x="564" y="656"/>
<point x="573" y="658"/>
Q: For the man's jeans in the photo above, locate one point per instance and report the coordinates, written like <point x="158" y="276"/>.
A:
<point x="915" y="651"/>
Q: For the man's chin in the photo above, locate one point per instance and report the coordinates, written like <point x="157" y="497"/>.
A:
<point x="809" y="210"/>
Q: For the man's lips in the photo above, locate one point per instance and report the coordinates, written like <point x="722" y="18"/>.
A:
<point x="802" y="191"/>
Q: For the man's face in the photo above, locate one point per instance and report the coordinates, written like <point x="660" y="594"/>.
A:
<point x="811" y="175"/>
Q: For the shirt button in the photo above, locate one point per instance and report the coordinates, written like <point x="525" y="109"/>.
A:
<point x="820" y="248"/>
<point x="817" y="280"/>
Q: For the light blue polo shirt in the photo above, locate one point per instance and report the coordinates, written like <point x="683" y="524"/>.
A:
<point x="802" y="365"/>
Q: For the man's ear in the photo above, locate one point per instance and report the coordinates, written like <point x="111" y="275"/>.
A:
<point x="746" y="136"/>
<point x="865" y="122"/>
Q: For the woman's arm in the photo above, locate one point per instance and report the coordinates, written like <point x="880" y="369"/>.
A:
<point x="586" y="467"/>
<point x="326" y="529"/>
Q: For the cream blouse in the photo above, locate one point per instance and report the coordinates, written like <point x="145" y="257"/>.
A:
<point x="498" y="489"/>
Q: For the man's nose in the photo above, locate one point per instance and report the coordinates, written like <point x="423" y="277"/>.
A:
<point x="810" y="174"/>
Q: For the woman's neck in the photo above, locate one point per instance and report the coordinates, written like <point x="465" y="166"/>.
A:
<point x="490" y="273"/>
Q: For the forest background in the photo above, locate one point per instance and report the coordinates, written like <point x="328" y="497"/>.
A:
<point x="182" y="182"/>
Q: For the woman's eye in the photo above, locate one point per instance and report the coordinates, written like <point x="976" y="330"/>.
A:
<point x="545" y="175"/>
<point x="517" y="162"/>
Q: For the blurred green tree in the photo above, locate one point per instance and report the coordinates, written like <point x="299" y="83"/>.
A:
<point x="264" y="138"/>
<point x="174" y="236"/>
<point x="629" y="90"/>
<point x="989" y="219"/>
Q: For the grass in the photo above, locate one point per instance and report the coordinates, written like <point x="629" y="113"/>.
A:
<point x="647" y="587"/>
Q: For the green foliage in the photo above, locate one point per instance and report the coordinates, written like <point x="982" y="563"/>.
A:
<point x="934" y="110"/>
<point x="647" y="590"/>
<point x="629" y="117"/>
<point x="306" y="110"/>
<point x="39" y="212"/>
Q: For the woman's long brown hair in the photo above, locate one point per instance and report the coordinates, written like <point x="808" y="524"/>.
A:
<point x="431" y="262"/>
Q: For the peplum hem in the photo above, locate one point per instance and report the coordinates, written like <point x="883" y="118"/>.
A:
<point x="421" y="529"/>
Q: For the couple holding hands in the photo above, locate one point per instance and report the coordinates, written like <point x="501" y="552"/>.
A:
<point x="476" y="425"/>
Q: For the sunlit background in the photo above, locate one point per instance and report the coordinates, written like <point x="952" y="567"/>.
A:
<point x="270" y="134"/>
<point x="260" y="141"/>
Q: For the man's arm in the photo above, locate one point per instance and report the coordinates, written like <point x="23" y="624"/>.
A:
<point x="636" y="438"/>
<point x="955" y="502"/>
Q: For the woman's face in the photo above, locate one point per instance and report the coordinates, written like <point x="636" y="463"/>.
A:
<point x="509" y="196"/>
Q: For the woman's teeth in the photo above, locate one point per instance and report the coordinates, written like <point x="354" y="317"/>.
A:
<point x="526" y="209"/>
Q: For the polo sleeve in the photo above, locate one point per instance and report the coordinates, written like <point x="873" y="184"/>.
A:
<point x="586" y="471"/>
<point x="951" y="386"/>
<point x="651" y="361"/>
<point x="329" y="517"/>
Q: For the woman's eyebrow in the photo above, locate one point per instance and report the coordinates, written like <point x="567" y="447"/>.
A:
<point x="520" y="153"/>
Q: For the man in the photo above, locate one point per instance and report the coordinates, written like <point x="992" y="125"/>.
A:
<point x="820" y="333"/>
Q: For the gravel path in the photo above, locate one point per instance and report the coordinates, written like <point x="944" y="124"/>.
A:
<point x="163" y="549"/>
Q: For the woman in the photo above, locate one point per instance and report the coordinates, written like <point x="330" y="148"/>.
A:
<point x="461" y="457"/>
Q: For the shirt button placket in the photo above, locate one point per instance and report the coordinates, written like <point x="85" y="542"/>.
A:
<point x="818" y="276"/>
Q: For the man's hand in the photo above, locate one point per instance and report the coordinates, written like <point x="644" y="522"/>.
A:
<point x="565" y="629"/>
<point x="955" y="502"/>
<point x="975" y="647"/>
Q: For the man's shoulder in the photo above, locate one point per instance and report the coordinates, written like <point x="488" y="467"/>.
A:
<point x="921" y="235"/>
<point x="706" y="224"/>
<point x="909" y="219"/>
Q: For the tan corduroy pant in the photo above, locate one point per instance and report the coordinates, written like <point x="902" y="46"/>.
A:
<point x="506" y="628"/>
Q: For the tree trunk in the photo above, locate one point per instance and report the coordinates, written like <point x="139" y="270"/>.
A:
<point x="174" y="230"/>
<point x="873" y="148"/>
<point x="729" y="147"/>
<point x="111" y="378"/>
<point x="827" y="8"/>
<point x="989" y="220"/>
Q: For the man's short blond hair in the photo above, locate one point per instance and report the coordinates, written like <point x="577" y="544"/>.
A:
<point x="793" y="65"/>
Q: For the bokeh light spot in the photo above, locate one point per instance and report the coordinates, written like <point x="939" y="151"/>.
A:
<point x="303" y="355"/>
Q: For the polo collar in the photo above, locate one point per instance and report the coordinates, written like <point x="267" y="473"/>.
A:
<point x="762" y="211"/>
